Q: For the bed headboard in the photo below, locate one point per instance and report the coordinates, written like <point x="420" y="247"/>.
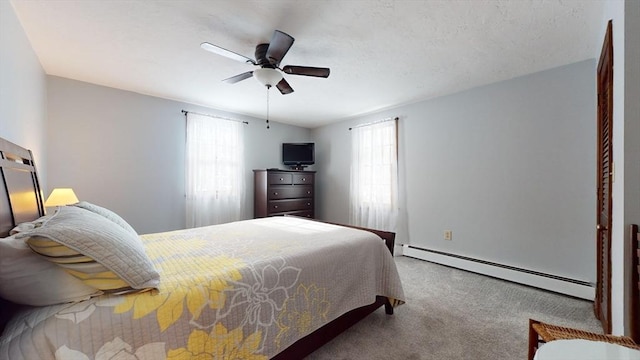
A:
<point x="20" y="193"/>
<point x="20" y="199"/>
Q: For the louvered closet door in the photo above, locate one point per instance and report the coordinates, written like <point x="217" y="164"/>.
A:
<point x="602" y="304"/>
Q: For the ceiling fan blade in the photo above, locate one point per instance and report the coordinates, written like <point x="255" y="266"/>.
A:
<point x="306" y="71"/>
<point x="278" y="47"/>
<point x="226" y="53"/>
<point x="239" y="77"/>
<point x="284" y="87"/>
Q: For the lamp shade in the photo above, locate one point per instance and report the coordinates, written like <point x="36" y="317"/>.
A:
<point x="267" y="76"/>
<point x="61" y="197"/>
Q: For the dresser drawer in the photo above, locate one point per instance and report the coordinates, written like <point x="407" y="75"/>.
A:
<point x="279" y="178"/>
<point x="304" y="213"/>
<point x="290" y="192"/>
<point x="290" y="205"/>
<point x="299" y="179"/>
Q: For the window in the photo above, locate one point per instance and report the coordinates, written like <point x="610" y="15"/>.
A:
<point x="214" y="170"/>
<point x="374" y="176"/>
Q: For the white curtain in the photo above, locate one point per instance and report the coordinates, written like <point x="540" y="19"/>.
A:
<point x="374" y="176"/>
<point x="215" y="184"/>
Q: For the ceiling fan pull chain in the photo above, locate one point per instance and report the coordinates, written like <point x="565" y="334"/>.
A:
<point x="268" y="87"/>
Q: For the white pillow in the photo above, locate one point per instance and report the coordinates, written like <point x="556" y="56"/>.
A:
<point x="27" y="278"/>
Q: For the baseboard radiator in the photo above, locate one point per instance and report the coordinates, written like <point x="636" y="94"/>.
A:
<point x="572" y="287"/>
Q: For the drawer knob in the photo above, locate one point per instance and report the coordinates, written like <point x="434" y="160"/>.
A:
<point x="275" y="193"/>
<point x="304" y="179"/>
<point x="309" y="192"/>
<point x="275" y="206"/>
<point x="308" y="204"/>
<point x="281" y="179"/>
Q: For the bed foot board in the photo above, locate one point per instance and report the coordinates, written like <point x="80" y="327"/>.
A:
<point x="388" y="308"/>
<point x="308" y="344"/>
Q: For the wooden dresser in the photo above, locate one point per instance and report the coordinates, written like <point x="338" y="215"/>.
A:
<point x="280" y="192"/>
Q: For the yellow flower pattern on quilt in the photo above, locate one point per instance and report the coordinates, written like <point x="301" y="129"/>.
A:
<point x="203" y="286"/>
<point x="220" y="344"/>
<point x="303" y="312"/>
<point x="194" y="278"/>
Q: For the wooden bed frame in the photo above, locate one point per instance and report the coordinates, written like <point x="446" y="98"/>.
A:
<point x="21" y="200"/>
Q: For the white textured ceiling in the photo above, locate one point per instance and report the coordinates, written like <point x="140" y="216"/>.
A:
<point x="381" y="53"/>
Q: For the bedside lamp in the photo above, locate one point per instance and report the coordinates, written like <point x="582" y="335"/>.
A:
<point x="61" y="197"/>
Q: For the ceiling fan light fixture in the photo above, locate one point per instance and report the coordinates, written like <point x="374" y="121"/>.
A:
<point x="267" y="76"/>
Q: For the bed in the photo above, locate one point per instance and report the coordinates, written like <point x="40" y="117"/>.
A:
<point x="264" y="288"/>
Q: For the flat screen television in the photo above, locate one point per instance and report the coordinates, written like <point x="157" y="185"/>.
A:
<point x="298" y="154"/>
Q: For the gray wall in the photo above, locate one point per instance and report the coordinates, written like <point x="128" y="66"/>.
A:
<point x="125" y="151"/>
<point x="22" y="89"/>
<point x="508" y="167"/>
<point x="626" y="147"/>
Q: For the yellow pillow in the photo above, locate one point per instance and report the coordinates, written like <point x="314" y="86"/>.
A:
<point x="83" y="267"/>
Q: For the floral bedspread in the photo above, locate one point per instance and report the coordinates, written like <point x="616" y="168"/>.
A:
<point x="243" y="290"/>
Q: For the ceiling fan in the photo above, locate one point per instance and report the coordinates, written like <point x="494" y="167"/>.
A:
<point x="268" y="58"/>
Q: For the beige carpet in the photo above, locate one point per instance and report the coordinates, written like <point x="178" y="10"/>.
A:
<point x="454" y="314"/>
